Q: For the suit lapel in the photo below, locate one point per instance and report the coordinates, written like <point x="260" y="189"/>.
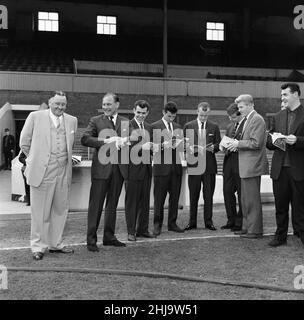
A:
<point x="299" y="119"/>
<point x="67" y="131"/>
<point x="246" y="124"/>
<point x="46" y="126"/>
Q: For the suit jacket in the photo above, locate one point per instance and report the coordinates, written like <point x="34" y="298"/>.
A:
<point x="252" y="148"/>
<point x="159" y="167"/>
<point x="231" y="156"/>
<point x="35" y="143"/>
<point x="137" y="171"/>
<point x="295" y="152"/>
<point x="10" y="143"/>
<point x="98" y="128"/>
<point x="212" y="136"/>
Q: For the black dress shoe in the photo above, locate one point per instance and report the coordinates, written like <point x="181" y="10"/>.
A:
<point x="227" y="226"/>
<point x="190" y="227"/>
<point x="63" y="250"/>
<point x="145" y="235"/>
<point x="176" y="229"/>
<point x="276" y="242"/>
<point x="92" y="247"/>
<point x="38" y="255"/>
<point x="211" y="227"/>
<point x="236" y="228"/>
<point x="115" y="243"/>
<point x="296" y="233"/>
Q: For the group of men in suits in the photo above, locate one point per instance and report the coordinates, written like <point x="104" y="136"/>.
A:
<point x="124" y="153"/>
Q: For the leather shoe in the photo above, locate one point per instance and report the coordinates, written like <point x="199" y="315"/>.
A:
<point x="251" y="235"/>
<point x="227" y="226"/>
<point x="156" y="232"/>
<point x="296" y="233"/>
<point x="236" y="228"/>
<point x="38" y="255"/>
<point x="238" y="233"/>
<point x="115" y="243"/>
<point x="176" y="229"/>
<point x="211" y="227"/>
<point x="145" y="235"/>
<point x="92" y="247"/>
<point x="131" y="237"/>
<point x="276" y="242"/>
<point x="63" y="250"/>
<point x="190" y="227"/>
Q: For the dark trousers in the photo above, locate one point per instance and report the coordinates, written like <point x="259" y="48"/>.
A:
<point x="162" y="185"/>
<point x="100" y="189"/>
<point x="194" y="184"/>
<point x="27" y="188"/>
<point x="288" y="191"/>
<point x="137" y="204"/>
<point x="231" y="185"/>
<point x="8" y="157"/>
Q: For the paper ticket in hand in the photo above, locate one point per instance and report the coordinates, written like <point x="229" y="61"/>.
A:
<point x="278" y="140"/>
<point x="226" y="141"/>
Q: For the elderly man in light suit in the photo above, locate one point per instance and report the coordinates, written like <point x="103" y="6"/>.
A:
<point x="252" y="164"/>
<point x="47" y="139"/>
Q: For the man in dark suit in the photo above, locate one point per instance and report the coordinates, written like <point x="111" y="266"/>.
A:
<point x="8" y="149"/>
<point x="138" y="183"/>
<point x="202" y="126"/>
<point x="167" y="168"/>
<point x="107" y="133"/>
<point x="231" y="175"/>
<point x="287" y="170"/>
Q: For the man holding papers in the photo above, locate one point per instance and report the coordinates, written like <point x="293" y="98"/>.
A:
<point x="287" y="170"/>
<point x="202" y="126"/>
<point x="231" y="175"/>
<point x="252" y="164"/>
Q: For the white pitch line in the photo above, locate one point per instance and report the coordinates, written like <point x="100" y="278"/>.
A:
<point x="147" y="241"/>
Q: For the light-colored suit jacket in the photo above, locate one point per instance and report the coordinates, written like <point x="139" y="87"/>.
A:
<point x="35" y="142"/>
<point x="252" y="148"/>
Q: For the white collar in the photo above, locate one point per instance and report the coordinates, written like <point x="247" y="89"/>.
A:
<point x="114" y="118"/>
<point x="54" y="118"/>
<point x="139" y="123"/>
<point x="167" y="124"/>
<point x="199" y="122"/>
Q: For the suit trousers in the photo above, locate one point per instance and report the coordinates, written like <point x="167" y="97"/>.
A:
<point x="194" y="183"/>
<point x="137" y="204"/>
<point x="102" y="189"/>
<point x="286" y="190"/>
<point x="252" y="205"/>
<point x="231" y="185"/>
<point x="8" y="157"/>
<point x="49" y="209"/>
<point x="171" y="184"/>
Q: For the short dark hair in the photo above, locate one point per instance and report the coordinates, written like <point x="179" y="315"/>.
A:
<point x="114" y="95"/>
<point x="142" y="104"/>
<point x="170" y="106"/>
<point x="294" y="87"/>
<point x="58" y="93"/>
<point x="6" y="129"/>
<point x="233" y="109"/>
<point x="204" y="106"/>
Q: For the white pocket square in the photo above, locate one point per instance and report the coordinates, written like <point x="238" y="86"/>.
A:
<point x="72" y="131"/>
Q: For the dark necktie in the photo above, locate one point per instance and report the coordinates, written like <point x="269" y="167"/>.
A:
<point x="234" y="129"/>
<point x="111" y="118"/>
<point x="239" y="131"/>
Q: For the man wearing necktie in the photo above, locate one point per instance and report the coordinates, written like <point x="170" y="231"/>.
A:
<point x="8" y="148"/>
<point x="108" y="134"/>
<point x="138" y="183"/>
<point x="231" y="175"/>
<point x="202" y="125"/>
<point x="47" y="141"/>
<point x="253" y="163"/>
<point x="167" y="168"/>
<point x="287" y="168"/>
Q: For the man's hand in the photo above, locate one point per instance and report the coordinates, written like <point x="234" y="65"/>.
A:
<point x="111" y="139"/>
<point x="147" y="146"/>
<point x="233" y="146"/>
<point x="210" y="148"/>
<point x="291" y="139"/>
